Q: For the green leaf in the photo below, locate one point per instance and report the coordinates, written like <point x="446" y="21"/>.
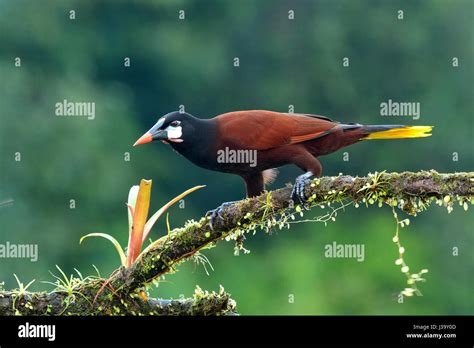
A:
<point x="168" y="228"/>
<point x="156" y="216"/>
<point x="123" y="259"/>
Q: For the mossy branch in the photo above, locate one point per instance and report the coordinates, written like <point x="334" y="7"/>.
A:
<point x="407" y="190"/>
<point x="120" y="294"/>
<point x="82" y="303"/>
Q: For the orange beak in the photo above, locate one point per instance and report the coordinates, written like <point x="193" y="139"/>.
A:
<point x="145" y="138"/>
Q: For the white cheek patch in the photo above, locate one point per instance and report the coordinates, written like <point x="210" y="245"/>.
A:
<point x="174" y="134"/>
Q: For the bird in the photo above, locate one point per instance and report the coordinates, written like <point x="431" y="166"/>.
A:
<point x="253" y="143"/>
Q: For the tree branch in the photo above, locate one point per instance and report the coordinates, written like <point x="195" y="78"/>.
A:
<point x="81" y="302"/>
<point x="402" y="188"/>
<point x="411" y="192"/>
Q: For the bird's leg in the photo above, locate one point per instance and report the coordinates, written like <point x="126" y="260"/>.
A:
<point x="254" y="186"/>
<point x="311" y="165"/>
<point x="216" y="214"/>
<point x="297" y="195"/>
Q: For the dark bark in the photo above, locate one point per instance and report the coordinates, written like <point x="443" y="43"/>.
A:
<point x="121" y="294"/>
<point x="59" y="303"/>
<point x="184" y="242"/>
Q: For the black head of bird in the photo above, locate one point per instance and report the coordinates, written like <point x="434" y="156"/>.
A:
<point x="173" y="127"/>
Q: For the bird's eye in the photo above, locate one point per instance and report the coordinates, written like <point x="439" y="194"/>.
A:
<point x="175" y="123"/>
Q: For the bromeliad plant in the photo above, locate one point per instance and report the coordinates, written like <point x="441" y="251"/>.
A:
<point x="138" y="227"/>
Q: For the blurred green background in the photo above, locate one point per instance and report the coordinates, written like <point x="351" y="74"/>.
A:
<point x="190" y="62"/>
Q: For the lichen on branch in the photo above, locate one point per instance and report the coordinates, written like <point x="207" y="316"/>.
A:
<point x="82" y="303"/>
<point x="122" y="293"/>
<point x="412" y="192"/>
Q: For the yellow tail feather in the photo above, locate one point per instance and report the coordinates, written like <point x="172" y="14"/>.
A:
<point x="404" y="132"/>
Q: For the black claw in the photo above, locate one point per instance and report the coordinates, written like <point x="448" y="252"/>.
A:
<point x="216" y="214"/>
<point x="297" y="195"/>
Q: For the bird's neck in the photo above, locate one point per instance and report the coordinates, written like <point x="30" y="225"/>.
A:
<point x="199" y="147"/>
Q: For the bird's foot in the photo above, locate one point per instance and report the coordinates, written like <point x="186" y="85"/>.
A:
<point x="297" y="195"/>
<point x="216" y="214"/>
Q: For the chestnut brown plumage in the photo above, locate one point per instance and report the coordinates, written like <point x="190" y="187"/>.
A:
<point x="276" y="138"/>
